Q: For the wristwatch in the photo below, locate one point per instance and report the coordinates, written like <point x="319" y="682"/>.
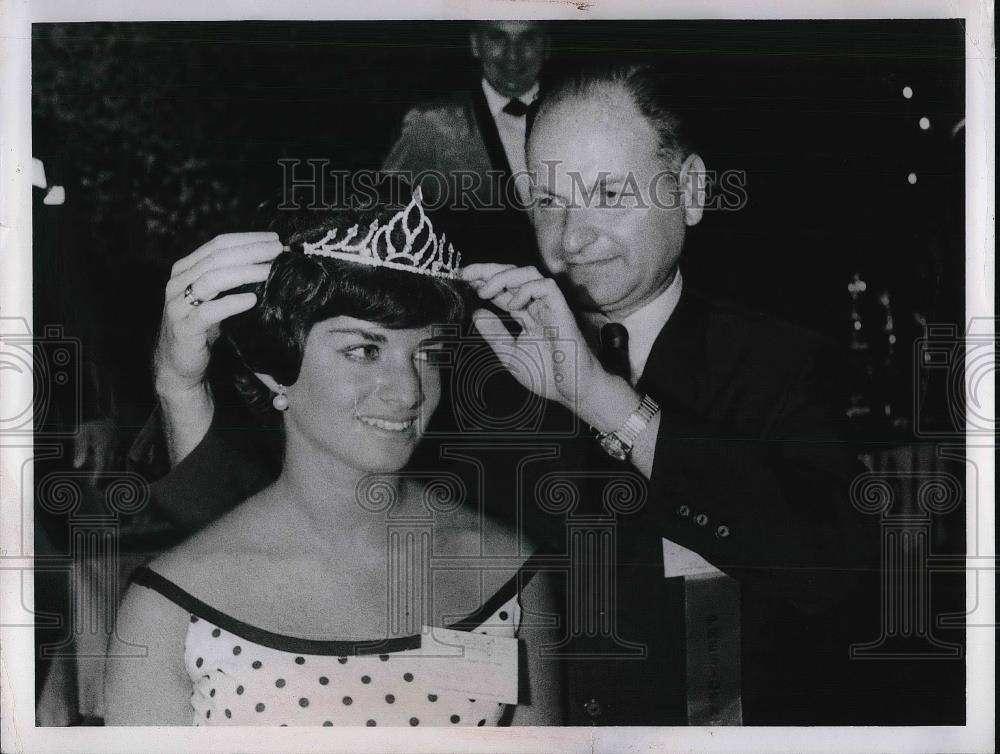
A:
<point x="618" y="444"/>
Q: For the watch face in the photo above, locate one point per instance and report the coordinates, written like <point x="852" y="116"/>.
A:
<point x="614" y="447"/>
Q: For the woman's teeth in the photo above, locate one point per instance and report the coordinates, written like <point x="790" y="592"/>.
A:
<point x="386" y="424"/>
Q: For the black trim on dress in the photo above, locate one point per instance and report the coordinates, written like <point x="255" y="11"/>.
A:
<point x="143" y="576"/>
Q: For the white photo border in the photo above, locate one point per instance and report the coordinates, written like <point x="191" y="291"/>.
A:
<point x="16" y="667"/>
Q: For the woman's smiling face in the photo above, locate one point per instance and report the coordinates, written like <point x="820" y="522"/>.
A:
<point x="365" y="392"/>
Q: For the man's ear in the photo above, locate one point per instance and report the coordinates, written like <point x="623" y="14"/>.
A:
<point x="269" y="381"/>
<point x="474" y="44"/>
<point x="692" y="181"/>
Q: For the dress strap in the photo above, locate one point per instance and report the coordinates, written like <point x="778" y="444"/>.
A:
<point x="150" y="579"/>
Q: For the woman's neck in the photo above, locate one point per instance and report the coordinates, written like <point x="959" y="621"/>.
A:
<point x="340" y="505"/>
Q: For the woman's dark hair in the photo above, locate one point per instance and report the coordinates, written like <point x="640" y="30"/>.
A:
<point x="302" y="289"/>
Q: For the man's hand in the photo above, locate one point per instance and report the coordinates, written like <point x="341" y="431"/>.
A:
<point x="564" y="369"/>
<point x="187" y="331"/>
<point x="551" y="342"/>
<point x="190" y="325"/>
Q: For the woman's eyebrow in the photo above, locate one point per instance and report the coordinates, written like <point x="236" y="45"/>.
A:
<point x="366" y="334"/>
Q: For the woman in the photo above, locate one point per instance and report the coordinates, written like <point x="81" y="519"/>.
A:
<point x="312" y="602"/>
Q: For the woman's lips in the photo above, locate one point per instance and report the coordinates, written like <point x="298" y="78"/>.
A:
<point x="387" y="425"/>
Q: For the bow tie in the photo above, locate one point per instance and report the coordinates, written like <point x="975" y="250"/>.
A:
<point x="516" y="108"/>
<point x="613" y="353"/>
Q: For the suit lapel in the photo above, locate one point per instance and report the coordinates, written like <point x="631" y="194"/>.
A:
<point x="507" y="235"/>
<point x="490" y="134"/>
<point x="676" y="369"/>
<point x="494" y="146"/>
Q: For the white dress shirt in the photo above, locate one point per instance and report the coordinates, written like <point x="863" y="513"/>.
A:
<point x="511" y="130"/>
<point x="644" y="325"/>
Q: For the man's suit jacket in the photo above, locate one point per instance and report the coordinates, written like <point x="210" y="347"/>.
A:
<point x="749" y="473"/>
<point x="451" y="148"/>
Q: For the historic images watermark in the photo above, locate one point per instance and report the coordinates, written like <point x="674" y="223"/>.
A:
<point x="585" y="564"/>
<point x="513" y="449"/>
<point x="906" y="503"/>
<point x="49" y="367"/>
<point x="313" y="184"/>
<point x="964" y="364"/>
<point x="910" y="495"/>
<point x="476" y="393"/>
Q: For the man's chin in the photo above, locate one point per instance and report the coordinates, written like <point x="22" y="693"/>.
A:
<point x="590" y="293"/>
<point x="509" y="88"/>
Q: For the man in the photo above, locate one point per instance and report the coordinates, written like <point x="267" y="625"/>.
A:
<point x="720" y="412"/>
<point x="466" y="150"/>
<point x="726" y="413"/>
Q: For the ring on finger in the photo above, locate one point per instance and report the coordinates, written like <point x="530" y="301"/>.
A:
<point x="191" y="298"/>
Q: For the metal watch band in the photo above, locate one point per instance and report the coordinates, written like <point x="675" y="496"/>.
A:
<point x="638" y="420"/>
<point x="618" y="444"/>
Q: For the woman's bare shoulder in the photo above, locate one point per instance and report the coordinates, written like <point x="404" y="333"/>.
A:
<point x="216" y="547"/>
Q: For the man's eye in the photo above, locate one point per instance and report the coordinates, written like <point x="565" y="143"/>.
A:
<point x="365" y="353"/>
<point x="544" y="202"/>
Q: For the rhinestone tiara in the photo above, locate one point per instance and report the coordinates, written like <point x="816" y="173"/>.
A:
<point x="435" y="256"/>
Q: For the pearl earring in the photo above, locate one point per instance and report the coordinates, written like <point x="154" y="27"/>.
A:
<point x="280" y="401"/>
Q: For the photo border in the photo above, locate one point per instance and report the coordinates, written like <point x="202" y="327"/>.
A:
<point x="17" y="727"/>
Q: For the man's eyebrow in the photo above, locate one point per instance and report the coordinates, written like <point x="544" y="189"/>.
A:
<point x="366" y="334"/>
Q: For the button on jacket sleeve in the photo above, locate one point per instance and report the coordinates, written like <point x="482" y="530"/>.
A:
<point x="749" y="471"/>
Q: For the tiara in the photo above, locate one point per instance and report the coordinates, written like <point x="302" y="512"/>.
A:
<point x="435" y="256"/>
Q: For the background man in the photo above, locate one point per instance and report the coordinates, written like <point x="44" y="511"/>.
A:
<point x="466" y="150"/>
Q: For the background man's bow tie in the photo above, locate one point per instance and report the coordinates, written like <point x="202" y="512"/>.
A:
<point x="516" y="108"/>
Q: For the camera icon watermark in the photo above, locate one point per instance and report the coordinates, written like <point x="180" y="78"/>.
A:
<point x="488" y="399"/>
<point x="906" y="503"/>
<point x="47" y="367"/>
<point x="961" y="367"/>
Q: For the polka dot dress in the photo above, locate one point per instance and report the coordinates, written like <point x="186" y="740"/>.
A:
<point x="242" y="675"/>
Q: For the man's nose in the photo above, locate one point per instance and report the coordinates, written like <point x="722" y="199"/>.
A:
<point x="512" y="54"/>
<point x="578" y="231"/>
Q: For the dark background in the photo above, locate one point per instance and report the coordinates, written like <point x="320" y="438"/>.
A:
<point x="172" y="132"/>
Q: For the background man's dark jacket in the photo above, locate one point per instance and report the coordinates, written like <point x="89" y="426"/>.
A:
<point x="453" y="143"/>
